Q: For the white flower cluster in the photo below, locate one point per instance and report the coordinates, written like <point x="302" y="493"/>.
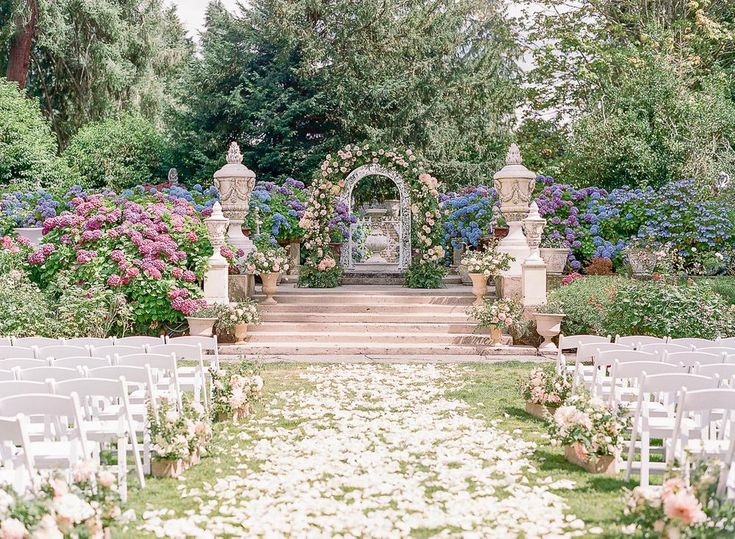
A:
<point x="265" y="260"/>
<point x="488" y="261"/>
<point x="372" y="451"/>
<point x="502" y="314"/>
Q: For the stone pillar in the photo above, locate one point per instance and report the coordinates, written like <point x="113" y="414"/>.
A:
<point x="216" y="278"/>
<point x="294" y="257"/>
<point x="514" y="184"/>
<point x="533" y="274"/>
<point x="235" y="183"/>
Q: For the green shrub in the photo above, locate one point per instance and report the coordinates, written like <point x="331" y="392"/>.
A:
<point x="24" y="309"/>
<point x="310" y="277"/>
<point x="27" y="146"/>
<point x="724" y="286"/>
<point x="119" y="153"/>
<point x="585" y="302"/>
<point x="425" y="275"/>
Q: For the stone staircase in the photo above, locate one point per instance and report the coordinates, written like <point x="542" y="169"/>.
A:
<point x="369" y="321"/>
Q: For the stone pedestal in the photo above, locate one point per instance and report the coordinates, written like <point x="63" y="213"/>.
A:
<point x="217" y="276"/>
<point x="294" y="257"/>
<point x="516" y="245"/>
<point x="239" y="287"/>
<point x="533" y="282"/>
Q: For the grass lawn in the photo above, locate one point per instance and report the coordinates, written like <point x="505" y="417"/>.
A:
<point x="490" y="389"/>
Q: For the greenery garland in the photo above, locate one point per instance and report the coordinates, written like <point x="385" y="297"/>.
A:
<point x="425" y="211"/>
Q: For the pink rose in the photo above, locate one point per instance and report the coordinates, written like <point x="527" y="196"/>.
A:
<point x="685" y="507"/>
<point x="12" y="528"/>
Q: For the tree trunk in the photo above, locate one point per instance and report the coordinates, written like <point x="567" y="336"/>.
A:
<point x="19" y="56"/>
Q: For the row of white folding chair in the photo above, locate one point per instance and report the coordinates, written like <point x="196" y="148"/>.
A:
<point x="134" y="340"/>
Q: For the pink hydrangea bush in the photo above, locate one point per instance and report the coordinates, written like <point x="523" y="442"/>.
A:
<point x="14" y="253"/>
<point x="154" y="252"/>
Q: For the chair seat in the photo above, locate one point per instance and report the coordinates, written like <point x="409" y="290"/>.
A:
<point x="104" y="431"/>
<point x="57" y="454"/>
<point x="708" y="448"/>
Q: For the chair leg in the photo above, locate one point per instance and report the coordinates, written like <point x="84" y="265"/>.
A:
<point x="122" y="467"/>
<point x="631" y="452"/>
<point x="645" y="457"/>
<point x="136" y="458"/>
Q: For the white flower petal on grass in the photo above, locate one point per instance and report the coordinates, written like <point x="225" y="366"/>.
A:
<point x="374" y="451"/>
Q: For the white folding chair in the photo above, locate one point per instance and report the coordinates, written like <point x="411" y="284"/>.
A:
<point x="721" y="350"/>
<point x="61" y="351"/>
<point x="661" y="347"/>
<point x="41" y="374"/>
<point x="586" y="352"/>
<point x="725" y="371"/>
<point x="97" y="397"/>
<point x="625" y="379"/>
<point x="209" y="345"/>
<point x="696" y="342"/>
<point x="690" y="359"/>
<point x="6" y="341"/>
<point x="189" y="377"/>
<point x="639" y="340"/>
<point x="139" y="340"/>
<point x="64" y="443"/>
<point x="86" y="362"/>
<point x="30" y="342"/>
<point x="141" y="386"/>
<point x="655" y="416"/>
<point x="729" y="341"/>
<point x="16" y="459"/>
<point x="8" y="352"/>
<point x="6" y="375"/>
<point x="603" y="361"/>
<point x="110" y="351"/>
<point x="90" y="341"/>
<point x="22" y="387"/>
<point x="22" y="363"/>
<point x="704" y="424"/>
<point x="566" y="342"/>
<point x="163" y="366"/>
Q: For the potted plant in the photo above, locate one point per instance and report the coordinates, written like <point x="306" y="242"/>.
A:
<point x="235" y="391"/>
<point x="483" y="264"/>
<point x="503" y="314"/>
<point x="591" y="433"/>
<point x="202" y="321"/>
<point x="548" y="324"/>
<point x="544" y="390"/>
<point x="26" y="212"/>
<point x="555" y="252"/>
<point x="235" y="318"/>
<point x="171" y="437"/>
<point x="268" y="261"/>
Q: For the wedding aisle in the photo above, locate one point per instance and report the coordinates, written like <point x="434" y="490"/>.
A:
<point x="370" y="451"/>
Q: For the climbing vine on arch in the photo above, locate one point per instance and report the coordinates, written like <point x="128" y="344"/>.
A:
<point x="321" y="267"/>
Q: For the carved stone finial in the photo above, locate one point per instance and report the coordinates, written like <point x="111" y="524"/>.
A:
<point x="234" y="156"/>
<point x="514" y="155"/>
<point x="533" y="210"/>
<point x="217" y="210"/>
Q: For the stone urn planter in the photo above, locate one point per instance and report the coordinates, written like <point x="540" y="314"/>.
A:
<point x="167" y="468"/>
<point x="496" y="336"/>
<point x="555" y="259"/>
<point x="548" y="325"/>
<point x="270" y="284"/>
<point x="200" y="327"/>
<point x="642" y="262"/>
<point x="32" y="234"/>
<point x="539" y="410"/>
<point x="605" y="464"/>
<point x="479" y="286"/>
<point x="241" y="332"/>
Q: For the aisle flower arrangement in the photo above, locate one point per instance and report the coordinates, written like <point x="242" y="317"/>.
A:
<point x="590" y="430"/>
<point x="502" y="314"/>
<point x="545" y="389"/>
<point x="179" y="437"/>
<point x="235" y="392"/>
<point x="86" y="507"/>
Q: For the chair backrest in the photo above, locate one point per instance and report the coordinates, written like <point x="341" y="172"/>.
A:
<point x="566" y="342"/>
<point x="723" y="370"/>
<point x="607" y="358"/>
<point x="139" y="340"/>
<point x="51" y="409"/>
<point x="85" y="361"/>
<point x="6" y="341"/>
<point x="208" y="344"/>
<point x="587" y="351"/>
<point x="29" y="342"/>
<point x="41" y="374"/>
<point x="668" y="383"/>
<point x="21" y="387"/>
<point x="639" y="340"/>
<point x="706" y="400"/>
<point x="17" y="352"/>
<point x="61" y="350"/>
<point x="182" y="351"/>
<point x="636" y="369"/>
<point x="22" y="363"/>
<point x="166" y="362"/>
<point x="141" y="377"/>
<point x="720" y="350"/>
<point x="102" y="351"/>
<point x="693" y="341"/>
<point x="689" y="359"/>
<point x="6" y="375"/>
<point x="729" y="341"/>
<point x="14" y="435"/>
<point x="92" y="392"/>
<point x="664" y="347"/>
<point x="90" y="341"/>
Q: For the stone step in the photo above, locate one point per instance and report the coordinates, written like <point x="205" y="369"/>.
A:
<point x="386" y="349"/>
<point x="278" y="338"/>
<point x="362" y="327"/>
<point x="355" y="308"/>
<point x="332" y="317"/>
<point x="448" y="298"/>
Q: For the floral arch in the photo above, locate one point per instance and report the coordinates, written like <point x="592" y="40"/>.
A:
<point x="331" y="187"/>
